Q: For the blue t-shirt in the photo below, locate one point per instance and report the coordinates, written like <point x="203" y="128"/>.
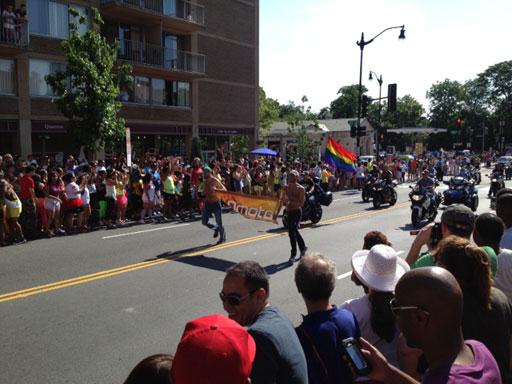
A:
<point x="326" y="330"/>
<point x="279" y="357"/>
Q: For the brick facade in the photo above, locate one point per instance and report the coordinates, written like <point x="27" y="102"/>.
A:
<point x="224" y="96"/>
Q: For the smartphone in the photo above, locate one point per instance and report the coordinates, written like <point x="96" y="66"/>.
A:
<point x="352" y="350"/>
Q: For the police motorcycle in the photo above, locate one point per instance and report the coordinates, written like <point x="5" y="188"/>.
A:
<point x="424" y="203"/>
<point x="367" y="187"/>
<point x="461" y="191"/>
<point x="384" y="192"/>
<point x="313" y="202"/>
<point x="497" y="183"/>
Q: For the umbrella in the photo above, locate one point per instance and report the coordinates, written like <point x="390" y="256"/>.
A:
<point x="263" y="151"/>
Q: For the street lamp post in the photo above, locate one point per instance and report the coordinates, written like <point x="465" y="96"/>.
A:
<point x="361" y="45"/>
<point x="379" y="80"/>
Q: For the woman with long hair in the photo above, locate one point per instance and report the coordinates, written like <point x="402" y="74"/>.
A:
<point x="487" y="315"/>
<point x="378" y="270"/>
<point x="52" y="204"/>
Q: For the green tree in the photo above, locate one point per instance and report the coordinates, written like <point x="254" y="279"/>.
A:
<point x="298" y="123"/>
<point x="345" y="106"/>
<point x="88" y="88"/>
<point x="268" y="112"/>
<point x="446" y="100"/>
<point x="196" y="149"/>
<point x="239" y="145"/>
<point x="409" y="113"/>
<point x="498" y="81"/>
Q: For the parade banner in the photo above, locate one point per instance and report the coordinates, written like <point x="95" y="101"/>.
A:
<point x="252" y="207"/>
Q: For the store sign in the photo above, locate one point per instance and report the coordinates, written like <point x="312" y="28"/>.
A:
<point x="45" y="127"/>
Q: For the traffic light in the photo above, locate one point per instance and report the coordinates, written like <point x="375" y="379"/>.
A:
<point x="364" y="106"/>
<point x="381" y="137"/>
<point x="361" y="130"/>
<point x="391" y="97"/>
<point x="353" y="131"/>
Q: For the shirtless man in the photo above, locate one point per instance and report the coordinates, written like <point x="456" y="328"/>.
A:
<point x="292" y="196"/>
<point x="212" y="204"/>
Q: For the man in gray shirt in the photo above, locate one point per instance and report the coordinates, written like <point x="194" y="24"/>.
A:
<point x="279" y="355"/>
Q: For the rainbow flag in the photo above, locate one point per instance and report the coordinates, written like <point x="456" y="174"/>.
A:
<point x="339" y="157"/>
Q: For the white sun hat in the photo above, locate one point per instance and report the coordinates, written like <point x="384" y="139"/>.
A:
<point x="379" y="268"/>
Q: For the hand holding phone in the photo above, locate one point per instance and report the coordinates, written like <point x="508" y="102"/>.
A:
<point x="352" y="351"/>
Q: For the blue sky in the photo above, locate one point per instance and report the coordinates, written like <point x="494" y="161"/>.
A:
<point x="309" y="47"/>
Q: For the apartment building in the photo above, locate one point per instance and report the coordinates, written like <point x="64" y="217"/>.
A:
<point x="195" y="69"/>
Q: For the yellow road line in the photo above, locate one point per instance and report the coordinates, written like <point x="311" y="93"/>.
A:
<point x="144" y="264"/>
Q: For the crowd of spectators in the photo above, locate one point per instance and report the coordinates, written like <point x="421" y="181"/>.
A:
<point x="442" y="316"/>
<point x="44" y="198"/>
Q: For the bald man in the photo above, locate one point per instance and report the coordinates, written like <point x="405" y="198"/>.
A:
<point x="434" y="326"/>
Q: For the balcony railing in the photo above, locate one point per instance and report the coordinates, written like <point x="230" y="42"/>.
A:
<point x="181" y="9"/>
<point x="17" y="35"/>
<point x="149" y="54"/>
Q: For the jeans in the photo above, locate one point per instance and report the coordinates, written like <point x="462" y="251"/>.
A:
<point x="216" y="208"/>
<point x="294" y="218"/>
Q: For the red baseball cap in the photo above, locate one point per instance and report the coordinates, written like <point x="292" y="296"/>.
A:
<point x="213" y="350"/>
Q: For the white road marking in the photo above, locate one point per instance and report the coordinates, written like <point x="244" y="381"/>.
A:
<point x="347" y="274"/>
<point x="147" y="230"/>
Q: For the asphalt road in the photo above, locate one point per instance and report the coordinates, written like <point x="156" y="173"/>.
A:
<point x="88" y="308"/>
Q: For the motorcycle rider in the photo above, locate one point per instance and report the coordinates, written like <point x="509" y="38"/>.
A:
<point x="498" y="168"/>
<point x="310" y="185"/>
<point x="427" y="183"/>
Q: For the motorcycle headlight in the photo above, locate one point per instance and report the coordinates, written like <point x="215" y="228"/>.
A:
<point x="494" y="180"/>
<point x="417" y="197"/>
<point x="379" y="189"/>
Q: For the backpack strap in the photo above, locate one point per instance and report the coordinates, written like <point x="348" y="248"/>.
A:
<point x="320" y="364"/>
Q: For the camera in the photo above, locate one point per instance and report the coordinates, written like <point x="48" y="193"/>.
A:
<point x="436" y="235"/>
<point x="352" y="351"/>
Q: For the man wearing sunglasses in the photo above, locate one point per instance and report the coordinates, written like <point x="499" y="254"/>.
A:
<point x="279" y="355"/>
<point x="434" y="326"/>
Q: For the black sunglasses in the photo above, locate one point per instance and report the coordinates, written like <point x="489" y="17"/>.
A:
<point x="234" y="300"/>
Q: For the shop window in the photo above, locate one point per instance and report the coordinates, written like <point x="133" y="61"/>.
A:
<point x="7" y="77"/>
<point x="38" y="69"/>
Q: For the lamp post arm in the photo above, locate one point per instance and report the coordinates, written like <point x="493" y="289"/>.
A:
<point x="362" y="43"/>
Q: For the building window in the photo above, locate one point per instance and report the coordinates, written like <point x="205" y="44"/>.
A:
<point x="141" y="87"/>
<point x="158" y="92"/>
<point x="183" y="94"/>
<point x="7" y="77"/>
<point x="38" y="69"/>
<point x="51" y="18"/>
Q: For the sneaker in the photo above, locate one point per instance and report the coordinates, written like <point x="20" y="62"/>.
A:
<point x="111" y="226"/>
<point x="141" y="221"/>
<point x="60" y="231"/>
<point x="20" y="240"/>
<point x="291" y="260"/>
<point x="216" y="232"/>
<point x="303" y="252"/>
